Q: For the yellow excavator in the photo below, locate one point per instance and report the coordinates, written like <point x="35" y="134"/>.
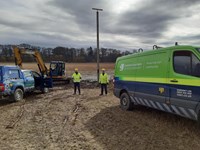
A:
<point x="56" y="69"/>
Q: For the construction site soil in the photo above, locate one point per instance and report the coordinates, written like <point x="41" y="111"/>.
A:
<point x="59" y="120"/>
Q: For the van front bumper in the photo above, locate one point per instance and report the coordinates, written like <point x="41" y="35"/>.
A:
<point x="116" y="92"/>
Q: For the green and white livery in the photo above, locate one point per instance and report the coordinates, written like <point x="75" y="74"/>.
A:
<point x="167" y="79"/>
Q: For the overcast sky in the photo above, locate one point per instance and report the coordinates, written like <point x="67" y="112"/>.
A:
<point x="124" y="24"/>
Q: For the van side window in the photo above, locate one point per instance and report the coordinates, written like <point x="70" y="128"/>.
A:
<point x="185" y="62"/>
<point x="13" y="74"/>
<point x="195" y="66"/>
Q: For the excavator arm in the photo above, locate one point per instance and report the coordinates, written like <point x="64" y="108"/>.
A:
<point x="18" y="52"/>
<point x="18" y="58"/>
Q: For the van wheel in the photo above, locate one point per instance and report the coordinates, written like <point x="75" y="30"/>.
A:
<point x="18" y="95"/>
<point x="198" y="120"/>
<point x="125" y="102"/>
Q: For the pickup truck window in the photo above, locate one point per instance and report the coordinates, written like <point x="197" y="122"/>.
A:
<point x="27" y="74"/>
<point x="185" y="62"/>
<point x="35" y="74"/>
<point x="13" y="74"/>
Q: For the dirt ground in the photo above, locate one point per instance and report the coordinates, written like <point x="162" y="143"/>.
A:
<point x="59" y="120"/>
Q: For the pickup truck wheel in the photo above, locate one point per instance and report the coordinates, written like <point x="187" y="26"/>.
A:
<point x="125" y="102"/>
<point x="18" y="95"/>
<point x="45" y="90"/>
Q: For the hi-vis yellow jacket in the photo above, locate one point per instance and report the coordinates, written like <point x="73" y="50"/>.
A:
<point x="76" y="77"/>
<point x="103" y="78"/>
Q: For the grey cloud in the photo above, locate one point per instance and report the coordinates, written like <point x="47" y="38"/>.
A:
<point x="81" y="10"/>
<point x="14" y="24"/>
<point x="72" y="23"/>
<point x="152" y="18"/>
<point x="193" y="39"/>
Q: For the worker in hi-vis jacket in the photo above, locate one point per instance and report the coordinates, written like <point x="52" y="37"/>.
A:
<point x="103" y="80"/>
<point x="76" y="79"/>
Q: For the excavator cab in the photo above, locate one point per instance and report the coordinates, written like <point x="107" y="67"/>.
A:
<point x="57" y="68"/>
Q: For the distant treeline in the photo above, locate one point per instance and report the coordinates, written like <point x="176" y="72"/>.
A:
<point x="68" y="55"/>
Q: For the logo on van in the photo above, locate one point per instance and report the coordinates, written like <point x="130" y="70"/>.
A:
<point x="121" y="67"/>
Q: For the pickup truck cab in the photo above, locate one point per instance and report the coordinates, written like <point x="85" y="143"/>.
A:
<point x="15" y="82"/>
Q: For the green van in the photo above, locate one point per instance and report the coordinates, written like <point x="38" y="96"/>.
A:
<point x="167" y="79"/>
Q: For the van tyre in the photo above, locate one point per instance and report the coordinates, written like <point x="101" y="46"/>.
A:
<point x="125" y="102"/>
<point x="18" y="95"/>
<point x="198" y="120"/>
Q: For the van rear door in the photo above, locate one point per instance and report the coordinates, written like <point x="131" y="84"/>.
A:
<point x="184" y="81"/>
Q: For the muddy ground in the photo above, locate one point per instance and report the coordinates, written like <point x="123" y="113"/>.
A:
<point x="61" y="121"/>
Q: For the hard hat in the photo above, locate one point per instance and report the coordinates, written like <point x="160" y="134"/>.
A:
<point x="103" y="69"/>
<point x="76" y="69"/>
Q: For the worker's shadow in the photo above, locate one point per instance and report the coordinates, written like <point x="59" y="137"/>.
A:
<point x="116" y="129"/>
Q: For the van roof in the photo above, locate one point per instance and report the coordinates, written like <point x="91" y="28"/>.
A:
<point x="160" y="49"/>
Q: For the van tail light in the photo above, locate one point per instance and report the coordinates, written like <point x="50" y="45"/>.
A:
<point x="2" y="87"/>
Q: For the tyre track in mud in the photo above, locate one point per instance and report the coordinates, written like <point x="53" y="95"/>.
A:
<point x="65" y="118"/>
<point x="59" y="120"/>
<point x="69" y="123"/>
<point x="27" y="111"/>
<point x="18" y="117"/>
<point x="50" y="126"/>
